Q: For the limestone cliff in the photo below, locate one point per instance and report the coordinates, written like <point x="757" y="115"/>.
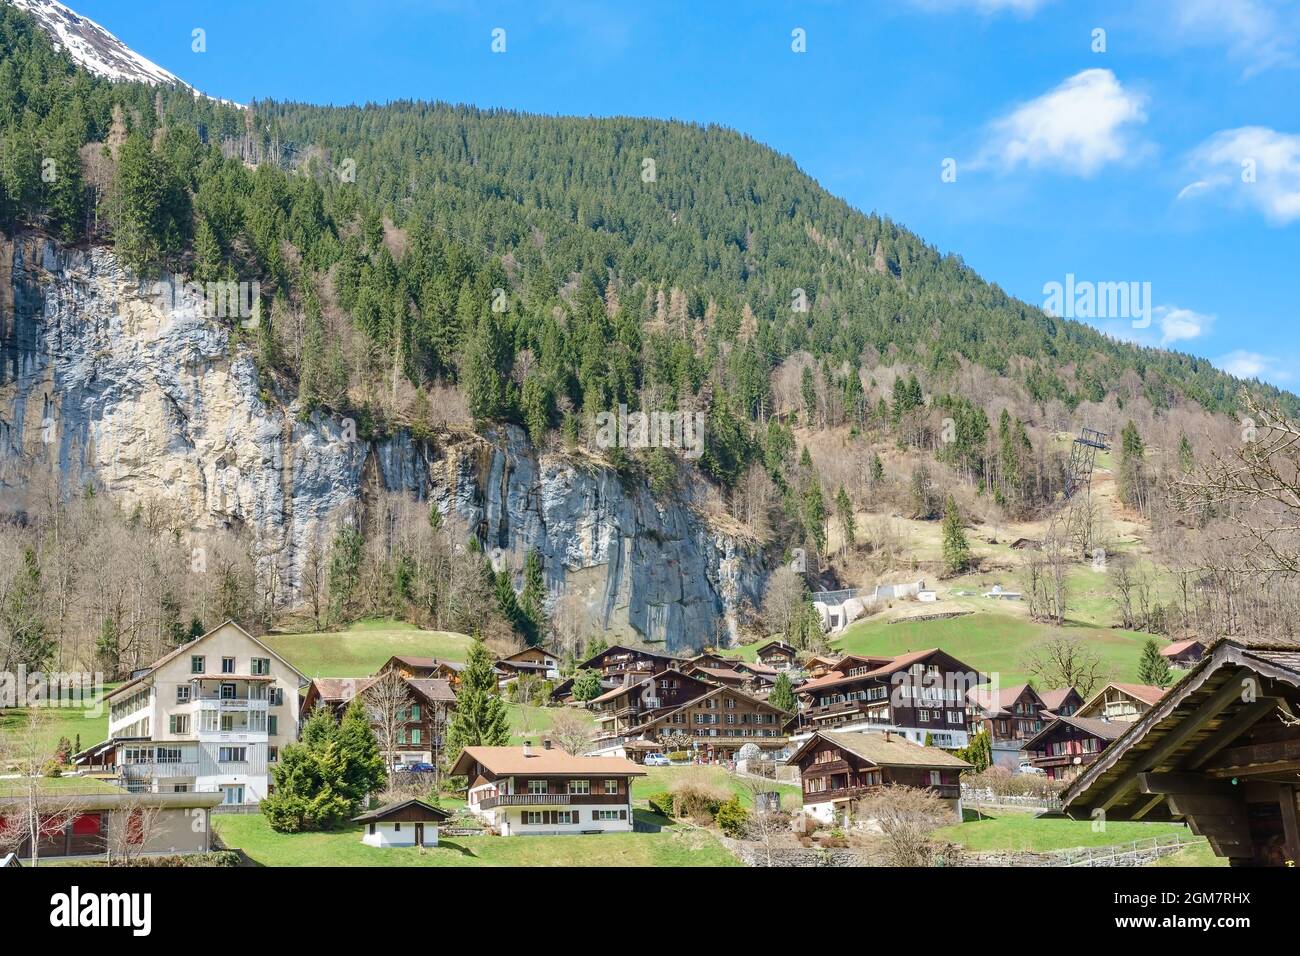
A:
<point x="100" y="384"/>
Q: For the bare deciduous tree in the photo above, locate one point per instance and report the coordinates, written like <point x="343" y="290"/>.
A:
<point x="1065" y="661"/>
<point x="388" y="702"/>
<point x="572" y="732"/>
<point x="35" y="807"/>
<point x="907" y="818"/>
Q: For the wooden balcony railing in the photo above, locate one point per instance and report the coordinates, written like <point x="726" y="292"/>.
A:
<point x="551" y="799"/>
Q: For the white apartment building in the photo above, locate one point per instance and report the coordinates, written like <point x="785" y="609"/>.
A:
<point x="209" y="717"/>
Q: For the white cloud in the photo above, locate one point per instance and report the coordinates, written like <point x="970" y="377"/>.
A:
<point x="1259" y="33"/>
<point x="1078" y="127"/>
<point x="1252" y="166"/>
<point x="1181" y="325"/>
<point x="1244" y="364"/>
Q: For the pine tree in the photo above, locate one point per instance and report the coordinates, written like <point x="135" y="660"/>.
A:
<point x="844" y="511"/>
<point x="782" y="694"/>
<point x="532" y="602"/>
<point x="364" y="769"/>
<point x="877" y="469"/>
<point x="1153" y="667"/>
<point x="480" y="718"/>
<point x="956" y="551"/>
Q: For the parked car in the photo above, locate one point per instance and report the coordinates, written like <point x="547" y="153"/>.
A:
<point x="1030" y="768"/>
<point x="657" y="760"/>
<point x="417" y="767"/>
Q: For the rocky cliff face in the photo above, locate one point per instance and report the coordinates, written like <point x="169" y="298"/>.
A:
<point x="101" y="384"/>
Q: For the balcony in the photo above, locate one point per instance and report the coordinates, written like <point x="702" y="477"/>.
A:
<point x="551" y="800"/>
<point x="150" y="771"/>
<point x="228" y="704"/>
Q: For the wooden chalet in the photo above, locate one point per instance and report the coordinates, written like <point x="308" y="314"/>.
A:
<point x="1012" y="713"/>
<point x="422" y="725"/>
<point x="1062" y="701"/>
<point x="714" y="726"/>
<point x="617" y="666"/>
<point x="1122" y="702"/>
<point x="819" y="665"/>
<point x="839" y="769"/>
<point x="526" y="790"/>
<point x="1183" y="654"/>
<point x="1220" y="751"/>
<point x="536" y="661"/>
<point x="424" y="667"/>
<point x="778" y="655"/>
<point x="1068" y="744"/>
<point x="623" y="711"/>
<point x="920" y="695"/>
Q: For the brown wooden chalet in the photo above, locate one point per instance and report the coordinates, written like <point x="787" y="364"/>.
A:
<point x="1183" y="654"/>
<point x="921" y="694"/>
<point x="1061" y="701"/>
<point x="1068" y="744"/>
<point x="838" y="769"/>
<point x="778" y="655"/>
<point x="1220" y="750"/>
<point x="536" y="661"/>
<point x="622" y="712"/>
<point x="1122" y="702"/>
<point x="423" y="667"/>
<point x="422" y="725"/>
<point x="715" y="725"/>
<point x="619" y="665"/>
<point x="1010" y="713"/>
<point x="819" y="665"/>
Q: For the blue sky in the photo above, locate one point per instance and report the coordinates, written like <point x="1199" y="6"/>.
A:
<point x="1172" y="157"/>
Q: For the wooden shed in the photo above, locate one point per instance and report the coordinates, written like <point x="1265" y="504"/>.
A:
<point x="405" y="823"/>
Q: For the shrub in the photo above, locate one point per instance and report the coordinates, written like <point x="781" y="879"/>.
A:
<point x="697" y="797"/>
<point x="679" y="756"/>
<point x="661" y="803"/>
<point x="732" y="817"/>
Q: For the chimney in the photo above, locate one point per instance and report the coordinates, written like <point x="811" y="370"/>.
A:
<point x="528" y="748"/>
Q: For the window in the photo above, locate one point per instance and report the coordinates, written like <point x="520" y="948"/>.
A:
<point x="372" y="829"/>
<point x="537" y="786"/>
<point x="227" y="665"/>
<point x="228" y="691"/>
<point x="397" y="826"/>
<point x="936" y="778"/>
<point x="169" y="755"/>
<point x="534" y="817"/>
<point x="178" y="724"/>
<point x="415" y="712"/>
<point x="232" y="754"/>
<point x="196" y="664"/>
<point x="260" y="666"/>
<point x="924" y="715"/>
<point x="272" y="724"/>
<point x="180" y="788"/>
<point x="611" y="786"/>
<point x="608" y="814"/>
<point x="566" y="816"/>
<point x="580" y="786"/>
<point x="415" y="735"/>
<point x="227" y="723"/>
<point x="272" y="754"/>
<point x="277" y="696"/>
<point x="183" y="694"/>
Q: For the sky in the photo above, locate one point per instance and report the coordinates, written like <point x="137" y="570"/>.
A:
<point x="1153" y="143"/>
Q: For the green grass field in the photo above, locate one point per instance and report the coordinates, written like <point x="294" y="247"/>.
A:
<point x="1011" y="830"/>
<point x="362" y="648"/>
<point x="672" y="847"/>
<point x="88" y="724"/>
<point x="658" y="779"/>
<point x="991" y="642"/>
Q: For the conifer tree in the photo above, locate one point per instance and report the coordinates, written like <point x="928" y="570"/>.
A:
<point x="480" y="718"/>
<point x="1153" y="667"/>
<point x="844" y="511"/>
<point x="782" y="694"/>
<point x="956" y="551"/>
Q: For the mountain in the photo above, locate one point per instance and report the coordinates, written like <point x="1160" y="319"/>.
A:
<point x="445" y="301"/>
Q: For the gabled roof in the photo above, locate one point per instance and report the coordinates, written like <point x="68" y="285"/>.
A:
<point x="621" y="648"/>
<point x="1006" y="697"/>
<point x="1177" y="647"/>
<point x="339" y="688"/>
<point x="303" y="680"/>
<point x="893" y="750"/>
<point x="885" y="667"/>
<point x="511" y="762"/>
<point x="379" y="814"/>
<point x="1052" y="699"/>
<point x="1146" y="693"/>
<point x="776" y="646"/>
<point x="1107" y="730"/>
<point x="424" y="662"/>
<point x="735" y="692"/>
<point x="1205" y="709"/>
<point x="529" y="650"/>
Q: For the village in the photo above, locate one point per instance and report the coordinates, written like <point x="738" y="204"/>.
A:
<point x="778" y="758"/>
